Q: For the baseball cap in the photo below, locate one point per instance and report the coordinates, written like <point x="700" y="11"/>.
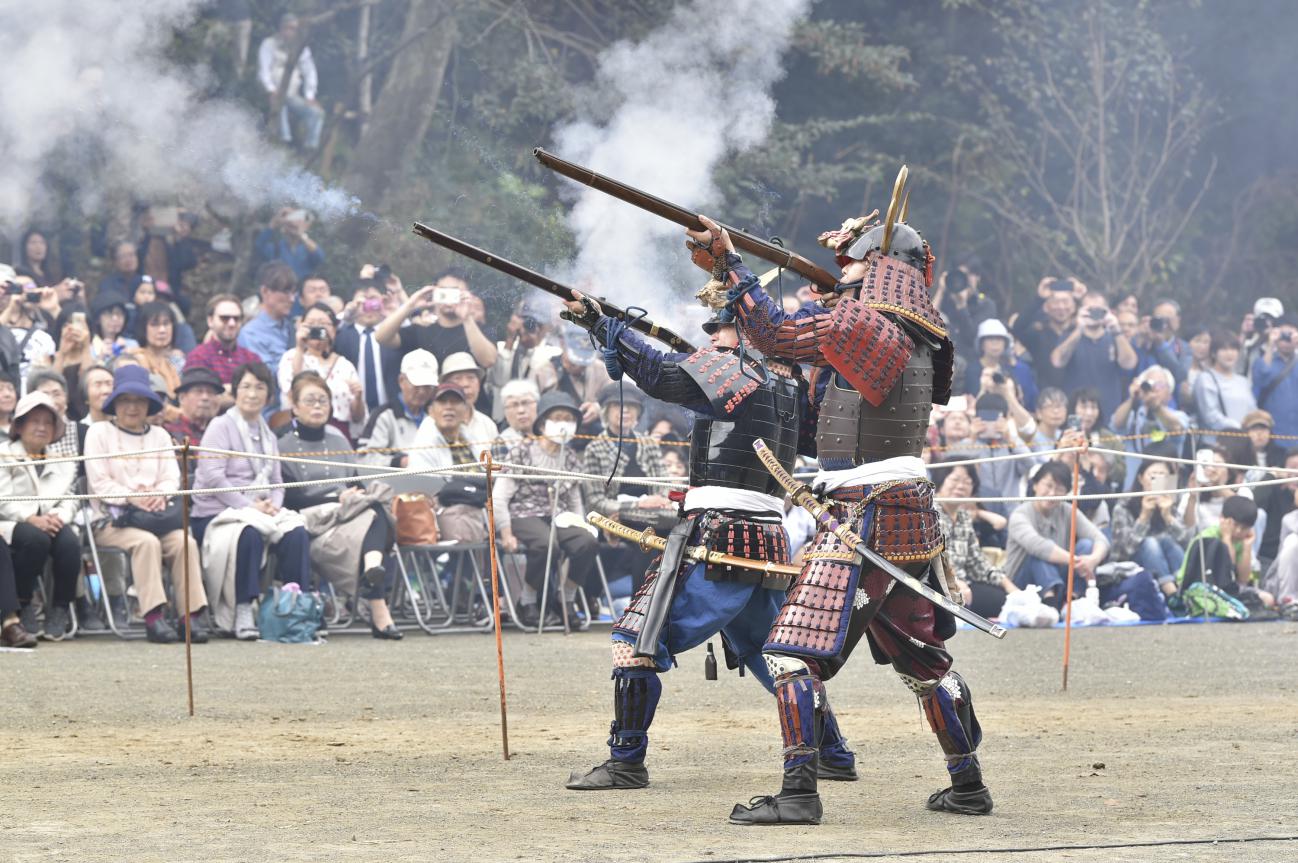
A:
<point x="450" y="389"/>
<point x="1268" y="306"/>
<point x="461" y="361"/>
<point x="420" y="368"/>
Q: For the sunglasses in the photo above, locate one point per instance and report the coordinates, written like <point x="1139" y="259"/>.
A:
<point x="229" y="319"/>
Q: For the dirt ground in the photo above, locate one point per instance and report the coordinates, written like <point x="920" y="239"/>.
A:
<point x="365" y="750"/>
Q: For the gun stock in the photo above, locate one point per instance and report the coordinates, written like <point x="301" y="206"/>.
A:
<point x="744" y="241"/>
<point x="549" y="285"/>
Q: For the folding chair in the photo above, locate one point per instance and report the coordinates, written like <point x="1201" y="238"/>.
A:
<point x="448" y="579"/>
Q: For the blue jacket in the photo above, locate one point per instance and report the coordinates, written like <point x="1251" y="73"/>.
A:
<point x="271" y="246"/>
<point x="1282" y="401"/>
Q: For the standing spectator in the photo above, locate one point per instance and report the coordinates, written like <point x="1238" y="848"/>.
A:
<point x="994" y="435"/>
<point x="1151" y="426"/>
<point x="996" y="352"/>
<point x="1051" y="415"/>
<point x="40" y="532"/>
<point x="1146" y="529"/>
<point x="155" y="330"/>
<point x="391" y="429"/>
<point x="286" y="240"/>
<point x="55" y="386"/>
<point x="963" y="305"/>
<point x="314" y="352"/>
<point x="1223" y="397"/>
<point x="108" y="324"/>
<point x="351" y="531"/>
<point x="454" y="331"/>
<point x="220" y="352"/>
<point x="520" y="398"/>
<point x="1042" y="330"/>
<point x="270" y="333"/>
<point x="988" y="584"/>
<point x="520" y="355"/>
<point x="22" y="316"/>
<point x="377" y="365"/>
<point x="574" y="371"/>
<point x="128" y="431"/>
<point x="1096" y="351"/>
<point x="1255" y="330"/>
<point x="300" y="96"/>
<point x="524" y="510"/>
<point x="461" y="370"/>
<point x="35" y="260"/>
<point x="125" y="276"/>
<point x="1275" y="377"/>
<point x="249" y="523"/>
<point x="1170" y="350"/>
<point x="1200" y="343"/>
<point x="170" y="252"/>
<point x="1039" y="529"/>
<point x="199" y="394"/>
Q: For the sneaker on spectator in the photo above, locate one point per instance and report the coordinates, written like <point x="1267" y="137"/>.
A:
<point x="27" y="617"/>
<point x="88" y="616"/>
<point x="57" y="623"/>
<point x="245" y="626"/>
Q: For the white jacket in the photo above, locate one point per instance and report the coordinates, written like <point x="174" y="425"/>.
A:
<point x="20" y="480"/>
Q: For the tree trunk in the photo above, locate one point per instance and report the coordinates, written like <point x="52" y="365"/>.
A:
<point x="406" y="104"/>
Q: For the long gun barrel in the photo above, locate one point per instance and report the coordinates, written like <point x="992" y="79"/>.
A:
<point x="763" y="249"/>
<point x="549" y="285"/>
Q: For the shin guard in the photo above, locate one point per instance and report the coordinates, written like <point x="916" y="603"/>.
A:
<point x="833" y="748"/>
<point x="797" y="696"/>
<point x="635" y="698"/>
<point x="948" y="706"/>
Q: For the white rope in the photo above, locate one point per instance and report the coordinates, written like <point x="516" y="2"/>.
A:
<point x="5" y="461"/>
<point x="1190" y="461"/>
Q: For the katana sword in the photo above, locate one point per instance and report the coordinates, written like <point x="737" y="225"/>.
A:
<point x="648" y="540"/>
<point x="804" y="497"/>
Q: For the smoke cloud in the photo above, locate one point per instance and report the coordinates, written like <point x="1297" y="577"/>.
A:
<point x="91" y="103"/>
<point x="661" y="115"/>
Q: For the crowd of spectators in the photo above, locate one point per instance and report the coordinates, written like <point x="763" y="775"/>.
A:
<point x="368" y="376"/>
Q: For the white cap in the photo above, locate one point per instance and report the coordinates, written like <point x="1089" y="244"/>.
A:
<point x="991" y="329"/>
<point x="1268" y="306"/>
<point x="420" y="368"/>
<point x="460" y="361"/>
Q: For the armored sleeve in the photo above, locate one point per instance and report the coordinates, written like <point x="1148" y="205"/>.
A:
<point x="773" y="331"/>
<point x="657" y="373"/>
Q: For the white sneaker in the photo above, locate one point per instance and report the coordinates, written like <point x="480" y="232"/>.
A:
<point x="245" y="627"/>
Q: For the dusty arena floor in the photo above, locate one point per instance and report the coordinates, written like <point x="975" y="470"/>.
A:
<point x="362" y="750"/>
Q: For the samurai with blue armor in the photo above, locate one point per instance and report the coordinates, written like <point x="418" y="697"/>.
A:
<point x="732" y="506"/>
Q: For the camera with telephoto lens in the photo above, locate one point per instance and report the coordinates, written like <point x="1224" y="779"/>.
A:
<point x="319" y="333"/>
<point x="1262" y="323"/>
<point x="1157" y="324"/>
<point x="957" y="281"/>
<point x="1146" y="387"/>
<point x="1286" y="336"/>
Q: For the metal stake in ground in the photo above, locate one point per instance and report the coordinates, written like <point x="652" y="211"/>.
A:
<point x="495" y="601"/>
<point x="1072" y="558"/>
<point x="184" y="516"/>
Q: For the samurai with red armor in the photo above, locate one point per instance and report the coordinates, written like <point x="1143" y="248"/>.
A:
<point x="732" y="506"/>
<point x="880" y="356"/>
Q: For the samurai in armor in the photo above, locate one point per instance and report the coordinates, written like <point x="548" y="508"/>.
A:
<point x="732" y="506"/>
<point x="880" y="356"/>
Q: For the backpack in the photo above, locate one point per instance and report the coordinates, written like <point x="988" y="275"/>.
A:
<point x="1208" y="600"/>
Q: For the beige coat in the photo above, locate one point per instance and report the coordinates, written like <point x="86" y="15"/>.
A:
<point x="21" y="480"/>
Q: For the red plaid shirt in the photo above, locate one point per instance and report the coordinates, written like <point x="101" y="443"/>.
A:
<point x="211" y="354"/>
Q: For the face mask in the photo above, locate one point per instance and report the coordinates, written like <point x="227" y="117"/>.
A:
<point x="560" y="430"/>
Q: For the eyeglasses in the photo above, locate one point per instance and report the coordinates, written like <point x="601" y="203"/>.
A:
<point x="314" y="402"/>
<point x="229" y="319"/>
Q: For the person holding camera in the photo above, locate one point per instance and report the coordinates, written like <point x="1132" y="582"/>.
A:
<point x="1042" y="329"/>
<point x="377" y="365"/>
<point x="1223" y="397"/>
<point x="996" y="353"/>
<point x="23" y="302"/>
<point x="519" y="355"/>
<point x="286" y="240"/>
<point x="1254" y="331"/>
<point x="1152" y="426"/>
<point x="1170" y="350"/>
<point x="1096" y="351"/>
<point x="1275" y="377"/>
<point x="965" y="307"/>
<point x="455" y="329"/>
<point x="314" y="352"/>
<point x="1146" y="529"/>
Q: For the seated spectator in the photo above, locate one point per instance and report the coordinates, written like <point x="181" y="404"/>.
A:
<point x="108" y="324"/>
<point x="1037" y="552"/>
<point x="1221" y="395"/>
<point x="12" y="632"/>
<point x="674" y="462"/>
<point x="1085" y="406"/>
<point x="1152" y="427"/>
<point x="40" y="532"/>
<point x="199" y="395"/>
<point x="1276" y="502"/>
<point x="220" y="351"/>
<point x="53" y="385"/>
<point x="246" y="524"/>
<point x="1281" y="578"/>
<point x="519" y="398"/>
<point x="1050" y="417"/>
<point x="351" y="531"/>
<point x="8" y="400"/>
<point x="1096" y="351"/>
<point x="146" y="528"/>
<point x="391" y="429"/>
<point x="96" y="385"/>
<point x="286" y="241"/>
<point x="1222" y="555"/>
<point x="300" y="96"/>
<point x="1146" y="529"/>
<point x="1202" y="510"/>
<point x="996" y="353"/>
<point x="641" y="456"/>
<point x="270" y="333"/>
<point x="1275" y="377"/>
<point x="461" y="370"/>
<point x="73" y="355"/>
<point x="35" y="261"/>
<point x="524" y="510"/>
<point x="375" y="364"/>
<point x="440" y="441"/>
<point x="155" y="330"/>
<point x="988" y="584"/>
<point x="126" y="272"/>
<point x="1266" y="451"/>
<point x="314" y="352"/>
<point x="993" y="434"/>
<point x="22" y="316"/>
<point x="454" y="331"/>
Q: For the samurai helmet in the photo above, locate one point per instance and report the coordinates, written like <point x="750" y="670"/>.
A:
<point x="892" y="238"/>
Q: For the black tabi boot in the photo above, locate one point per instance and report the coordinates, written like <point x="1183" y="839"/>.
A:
<point x="797" y="802"/>
<point x="635" y="699"/>
<point x="949" y="709"/>
<point x="797" y="697"/>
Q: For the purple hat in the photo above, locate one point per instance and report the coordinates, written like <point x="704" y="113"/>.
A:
<point x="132" y="381"/>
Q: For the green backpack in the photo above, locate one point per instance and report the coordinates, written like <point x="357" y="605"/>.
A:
<point x="1208" y="600"/>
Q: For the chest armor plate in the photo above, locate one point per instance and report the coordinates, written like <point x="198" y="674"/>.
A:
<point x="851" y="431"/>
